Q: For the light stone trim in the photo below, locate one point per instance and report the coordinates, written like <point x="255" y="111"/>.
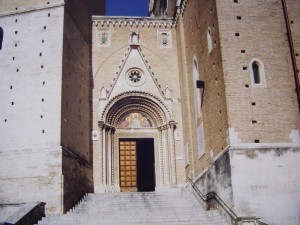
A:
<point x="104" y="21"/>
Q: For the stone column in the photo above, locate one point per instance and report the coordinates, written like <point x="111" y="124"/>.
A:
<point x="165" y="144"/>
<point x="113" y="156"/>
<point x="161" y="157"/>
<point x="98" y="159"/>
<point x="171" y="128"/>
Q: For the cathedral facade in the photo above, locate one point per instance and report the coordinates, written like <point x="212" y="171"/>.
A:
<point x="201" y="91"/>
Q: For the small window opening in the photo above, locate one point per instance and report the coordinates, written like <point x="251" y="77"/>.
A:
<point x="256" y="141"/>
<point x="209" y="40"/>
<point x="1" y="37"/>
<point x="239" y="17"/>
<point x="235" y="1"/>
<point x="256" y="73"/>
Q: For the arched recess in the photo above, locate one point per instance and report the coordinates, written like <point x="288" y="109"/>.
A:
<point x="106" y="159"/>
<point x="257" y="73"/>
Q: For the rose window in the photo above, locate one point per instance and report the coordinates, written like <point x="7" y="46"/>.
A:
<point x="135" y="77"/>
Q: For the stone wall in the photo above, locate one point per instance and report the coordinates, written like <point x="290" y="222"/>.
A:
<point x="45" y="101"/>
<point x="265" y="184"/>
<point x="30" y="64"/>
<point x="218" y="178"/>
<point x="76" y="101"/>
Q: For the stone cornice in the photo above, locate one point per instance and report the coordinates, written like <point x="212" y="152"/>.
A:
<point x="106" y="21"/>
<point x="30" y="9"/>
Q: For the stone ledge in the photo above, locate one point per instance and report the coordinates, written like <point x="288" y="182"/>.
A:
<point x="27" y="214"/>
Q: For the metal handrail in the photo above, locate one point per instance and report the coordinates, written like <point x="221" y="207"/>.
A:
<point x="214" y="196"/>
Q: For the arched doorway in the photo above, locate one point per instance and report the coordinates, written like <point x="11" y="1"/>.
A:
<point x="143" y="123"/>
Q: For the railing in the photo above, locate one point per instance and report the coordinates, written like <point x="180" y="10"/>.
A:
<point x="212" y="197"/>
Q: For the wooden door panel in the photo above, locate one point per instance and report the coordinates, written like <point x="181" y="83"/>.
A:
<point x="128" y="171"/>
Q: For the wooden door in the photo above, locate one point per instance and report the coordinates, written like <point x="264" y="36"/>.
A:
<point x="128" y="178"/>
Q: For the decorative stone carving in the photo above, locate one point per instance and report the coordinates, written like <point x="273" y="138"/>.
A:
<point x="95" y="135"/>
<point x="117" y="21"/>
<point x="134" y="40"/>
<point x="168" y="93"/>
<point x="164" y="38"/>
<point x="103" y="93"/>
<point x="104" y="37"/>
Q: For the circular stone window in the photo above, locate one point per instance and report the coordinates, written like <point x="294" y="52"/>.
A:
<point x="135" y="77"/>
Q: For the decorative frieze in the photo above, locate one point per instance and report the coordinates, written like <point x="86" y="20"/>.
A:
<point x="103" y="21"/>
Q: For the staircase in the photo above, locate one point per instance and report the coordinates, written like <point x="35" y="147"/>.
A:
<point x="138" y="208"/>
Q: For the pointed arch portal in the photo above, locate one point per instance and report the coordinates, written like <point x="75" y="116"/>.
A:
<point x="142" y="123"/>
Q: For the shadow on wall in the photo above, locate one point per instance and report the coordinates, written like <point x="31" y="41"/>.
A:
<point x="1" y="37"/>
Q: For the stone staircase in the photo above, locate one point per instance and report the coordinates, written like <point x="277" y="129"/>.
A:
<point x="138" y="208"/>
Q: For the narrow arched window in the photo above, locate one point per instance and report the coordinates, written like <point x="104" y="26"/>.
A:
<point x="209" y="40"/>
<point x="256" y="74"/>
<point x="197" y="92"/>
<point x="1" y="37"/>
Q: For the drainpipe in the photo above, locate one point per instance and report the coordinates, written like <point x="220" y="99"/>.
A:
<point x="292" y="50"/>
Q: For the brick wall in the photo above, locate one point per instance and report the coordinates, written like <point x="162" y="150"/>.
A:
<point x="251" y="30"/>
<point x="194" y="46"/>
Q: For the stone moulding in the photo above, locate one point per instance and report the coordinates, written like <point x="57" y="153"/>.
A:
<point x="135" y="94"/>
<point x="132" y="21"/>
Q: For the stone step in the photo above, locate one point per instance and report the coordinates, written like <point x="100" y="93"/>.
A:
<point x="137" y="209"/>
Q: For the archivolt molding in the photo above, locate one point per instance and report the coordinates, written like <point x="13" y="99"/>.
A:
<point x="105" y="21"/>
<point x="136" y="100"/>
